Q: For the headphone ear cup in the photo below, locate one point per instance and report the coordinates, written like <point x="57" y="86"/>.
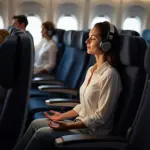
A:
<point x="49" y="32"/>
<point x="105" y="46"/>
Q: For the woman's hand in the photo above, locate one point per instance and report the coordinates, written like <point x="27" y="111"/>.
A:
<point x="56" y="117"/>
<point x="43" y="71"/>
<point x="40" y="71"/>
<point x="57" y="125"/>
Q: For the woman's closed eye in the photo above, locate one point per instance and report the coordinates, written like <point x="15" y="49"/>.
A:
<point x="92" y="38"/>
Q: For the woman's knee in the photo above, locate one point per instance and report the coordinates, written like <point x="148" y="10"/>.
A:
<point x="39" y="123"/>
<point x="45" y="133"/>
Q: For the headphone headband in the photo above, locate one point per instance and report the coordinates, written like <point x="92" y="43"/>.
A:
<point x="111" y="31"/>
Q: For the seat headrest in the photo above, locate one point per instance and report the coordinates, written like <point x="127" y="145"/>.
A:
<point x="78" y="39"/>
<point x="147" y="61"/>
<point x="146" y="35"/>
<point x="58" y="37"/>
<point x="68" y="37"/>
<point x="129" y="32"/>
<point x="8" y="54"/>
<point x="132" y="47"/>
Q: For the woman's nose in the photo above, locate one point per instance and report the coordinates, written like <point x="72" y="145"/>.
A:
<point x="87" y="41"/>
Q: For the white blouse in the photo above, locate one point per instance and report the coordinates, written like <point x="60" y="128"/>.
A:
<point x="98" y="100"/>
<point x="46" y="56"/>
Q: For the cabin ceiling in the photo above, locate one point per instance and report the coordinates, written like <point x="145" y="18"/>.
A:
<point x="96" y="1"/>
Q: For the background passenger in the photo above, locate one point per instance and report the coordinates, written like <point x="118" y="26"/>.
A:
<point x="98" y="97"/>
<point x="47" y="55"/>
<point x="21" y="21"/>
<point x="3" y="34"/>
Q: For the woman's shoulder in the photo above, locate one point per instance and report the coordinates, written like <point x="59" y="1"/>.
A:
<point x="111" y="72"/>
<point x="52" y="45"/>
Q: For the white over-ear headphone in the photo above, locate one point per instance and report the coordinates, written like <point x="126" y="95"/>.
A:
<point x="106" y="43"/>
<point x="50" y="32"/>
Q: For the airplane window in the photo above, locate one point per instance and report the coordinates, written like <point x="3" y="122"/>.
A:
<point x="1" y="23"/>
<point x="34" y="27"/>
<point x="132" y="23"/>
<point x="67" y="22"/>
<point x="99" y="19"/>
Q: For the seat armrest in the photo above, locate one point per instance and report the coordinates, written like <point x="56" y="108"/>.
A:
<point x="62" y="102"/>
<point x="44" y="81"/>
<point x="43" y="78"/>
<point x="57" y="89"/>
<point x="86" y="141"/>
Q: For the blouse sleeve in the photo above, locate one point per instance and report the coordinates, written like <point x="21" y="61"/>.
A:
<point x="77" y="108"/>
<point x="52" y="53"/>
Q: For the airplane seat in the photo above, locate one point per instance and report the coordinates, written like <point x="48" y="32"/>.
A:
<point x="37" y="95"/>
<point x="146" y="36"/>
<point x="129" y="32"/>
<point x="132" y="52"/>
<point x="139" y="134"/>
<point x="91" y="62"/>
<point x="13" y="113"/>
<point x="133" y="79"/>
<point x="70" y="70"/>
<point x="62" y="38"/>
<point x="58" y="39"/>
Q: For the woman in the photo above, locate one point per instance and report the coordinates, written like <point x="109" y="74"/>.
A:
<point x="46" y="56"/>
<point x="3" y="34"/>
<point x="98" y="97"/>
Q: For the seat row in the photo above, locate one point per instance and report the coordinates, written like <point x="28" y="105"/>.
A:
<point x="132" y="111"/>
<point x="16" y="78"/>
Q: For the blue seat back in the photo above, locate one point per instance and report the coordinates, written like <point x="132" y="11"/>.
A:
<point x="15" y="104"/>
<point x="58" y="39"/>
<point x="74" y="58"/>
<point x="91" y="62"/>
<point x="146" y="36"/>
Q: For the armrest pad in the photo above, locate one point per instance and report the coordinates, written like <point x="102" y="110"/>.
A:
<point x="82" y="140"/>
<point x="82" y="137"/>
<point x="47" y="87"/>
<point x="57" y="89"/>
<point x="47" y="81"/>
<point x="43" y="78"/>
<point x="62" y="102"/>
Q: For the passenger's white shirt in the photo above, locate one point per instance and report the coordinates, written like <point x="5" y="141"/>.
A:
<point x="46" y="56"/>
<point x="98" y="100"/>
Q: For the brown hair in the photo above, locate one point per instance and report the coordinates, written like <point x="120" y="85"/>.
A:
<point x="48" y="25"/>
<point x="3" y="34"/>
<point x="104" y="28"/>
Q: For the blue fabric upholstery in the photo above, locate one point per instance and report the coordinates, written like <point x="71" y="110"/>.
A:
<point x="146" y="36"/>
